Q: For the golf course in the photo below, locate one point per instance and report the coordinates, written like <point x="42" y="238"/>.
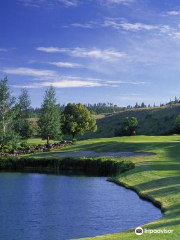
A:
<point x="156" y="178"/>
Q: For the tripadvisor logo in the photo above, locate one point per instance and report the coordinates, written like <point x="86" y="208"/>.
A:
<point x="139" y="231"/>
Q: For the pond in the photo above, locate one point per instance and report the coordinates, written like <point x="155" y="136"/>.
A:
<point x="58" y="207"/>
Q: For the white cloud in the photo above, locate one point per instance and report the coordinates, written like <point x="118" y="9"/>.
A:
<point x="123" y="2"/>
<point x="7" y="49"/>
<point x="173" y="13"/>
<point x="70" y="82"/>
<point x="47" y="78"/>
<point x="63" y="84"/>
<point x="128" y="82"/>
<point x="138" y="26"/>
<point x="118" y="24"/>
<point x="85" y="25"/>
<point x="29" y="72"/>
<point x="66" y="64"/>
<point x="49" y="3"/>
<point x="107" y="54"/>
<point x="52" y="49"/>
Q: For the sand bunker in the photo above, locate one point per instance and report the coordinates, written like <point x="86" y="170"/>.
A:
<point x="98" y="154"/>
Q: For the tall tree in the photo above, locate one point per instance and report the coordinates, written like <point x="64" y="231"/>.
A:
<point x="22" y="125"/>
<point x="77" y="119"/>
<point x="7" y="113"/>
<point x="50" y="119"/>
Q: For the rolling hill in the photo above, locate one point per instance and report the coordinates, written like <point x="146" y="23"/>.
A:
<point x="152" y="121"/>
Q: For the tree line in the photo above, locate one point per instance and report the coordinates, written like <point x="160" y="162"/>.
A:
<point x="53" y="123"/>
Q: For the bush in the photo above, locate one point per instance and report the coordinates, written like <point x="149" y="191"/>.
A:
<point x="74" y="140"/>
<point x="20" y="148"/>
<point x="128" y="127"/>
<point x="24" y="145"/>
<point x="7" y="149"/>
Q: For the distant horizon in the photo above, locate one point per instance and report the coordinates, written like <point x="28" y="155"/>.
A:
<point x="123" y="51"/>
<point x="95" y="103"/>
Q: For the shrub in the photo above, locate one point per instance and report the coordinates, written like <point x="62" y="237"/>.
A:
<point x="128" y="127"/>
<point x="74" y="140"/>
<point x="7" y="149"/>
<point x="24" y="145"/>
<point x="20" y="148"/>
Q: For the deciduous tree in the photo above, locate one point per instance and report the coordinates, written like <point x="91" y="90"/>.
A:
<point x="77" y="119"/>
<point x="7" y="113"/>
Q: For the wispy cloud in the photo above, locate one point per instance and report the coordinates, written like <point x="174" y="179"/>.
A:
<point x="47" y="78"/>
<point x="138" y="26"/>
<point x="62" y="84"/>
<point x="119" y="24"/>
<point x="29" y="72"/>
<point x="3" y="50"/>
<point x="66" y="64"/>
<point x="70" y="82"/>
<point x="6" y="49"/>
<point x="49" y="3"/>
<point x="88" y="25"/>
<point x="124" y="2"/>
<point x="107" y="54"/>
<point x="172" y="13"/>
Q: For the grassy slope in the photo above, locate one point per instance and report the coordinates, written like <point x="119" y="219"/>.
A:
<point x="152" y="121"/>
<point x="157" y="177"/>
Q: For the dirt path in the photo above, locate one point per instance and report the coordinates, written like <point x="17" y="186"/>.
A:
<point x="98" y="154"/>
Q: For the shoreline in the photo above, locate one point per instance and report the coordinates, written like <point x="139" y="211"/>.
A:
<point x="143" y="197"/>
<point x="113" y="179"/>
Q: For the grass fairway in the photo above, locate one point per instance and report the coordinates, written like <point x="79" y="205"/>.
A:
<point x="157" y="177"/>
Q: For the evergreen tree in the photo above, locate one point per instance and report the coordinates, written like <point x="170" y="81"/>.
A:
<point x="50" y="119"/>
<point x="136" y="105"/>
<point x="77" y="119"/>
<point x="22" y="125"/>
<point x="143" y="105"/>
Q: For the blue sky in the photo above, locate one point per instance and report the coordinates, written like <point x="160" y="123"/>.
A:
<point x="120" y="51"/>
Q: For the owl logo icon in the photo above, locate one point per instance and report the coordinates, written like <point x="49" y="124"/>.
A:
<point x="139" y="231"/>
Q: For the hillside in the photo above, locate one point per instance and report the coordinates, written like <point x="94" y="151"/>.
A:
<point x="152" y="121"/>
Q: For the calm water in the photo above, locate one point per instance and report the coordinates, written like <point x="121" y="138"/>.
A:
<point x="55" y="207"/>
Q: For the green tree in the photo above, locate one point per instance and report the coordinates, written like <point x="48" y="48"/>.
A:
<point x="77" y="119"/>
<point x="7" y="113"/>
<point x="22" y="125"/>
<point x="50" y="119"/>
<point x="133" y="125"/>
<point x="129" y="126"/>
<point x="177" y="125"/>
